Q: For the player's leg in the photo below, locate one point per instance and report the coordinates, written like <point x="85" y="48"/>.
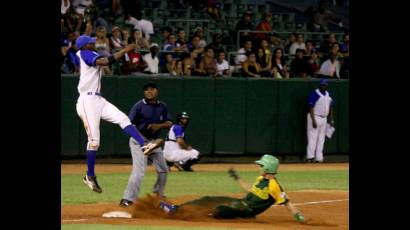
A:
<point x="233" y="210"/>
<point x="139" y="163"/>
<point x="312" y="139"/>
<point x="213" y="201"/>
<point x="161" y="168"/>
<point x="321" y="127"/>
<point x="89" y="110"/>
<point x="112" y="114"/>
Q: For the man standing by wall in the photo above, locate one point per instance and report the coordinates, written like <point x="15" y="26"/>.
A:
<point x="320" y="113"/>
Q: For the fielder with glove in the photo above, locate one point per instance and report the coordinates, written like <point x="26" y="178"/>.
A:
<point x="265" y="192"/>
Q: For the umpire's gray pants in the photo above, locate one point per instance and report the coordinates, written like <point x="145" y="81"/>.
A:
<point x="139" y="164"/>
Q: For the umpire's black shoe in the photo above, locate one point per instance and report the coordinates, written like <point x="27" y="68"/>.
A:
<point x="91" y="182"/>
<point x="125" y="203"/>
<point x="310" y="160"/>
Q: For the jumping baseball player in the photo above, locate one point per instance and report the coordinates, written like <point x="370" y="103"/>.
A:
<point x="265" y="192"/>
<point x="320" y="113"/>
<point x="91" y="106"/>
<point x="176" y="151"/>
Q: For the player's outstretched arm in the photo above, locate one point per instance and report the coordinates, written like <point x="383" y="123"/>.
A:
<point x="115" y="57"/>
<point x="245" y="186"/>
<point x="296" y="213"/>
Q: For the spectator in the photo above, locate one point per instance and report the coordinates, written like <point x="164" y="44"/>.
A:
<point x="179" y="69"/>
<point x="309" y="47"/>
<point x="116" y="41"/>
<point x="170" y="64"/>
<point x="279" y="69"/>
<point x="265" y="64"/>
<point x="275" y="42"/>
<point x="244" y="24"/>
<point x="80" y="6"/>
<point x="139" y="40"/>
<point x="299" y="44"/>
<point x="266" y="49"/>
<point x="133" y="63"/>
<point x="243" y="52"/>
<point x="321" y="17"/>
<point x="194" y="45"/>
<point x="329" y="44"/>
<point x="165" y="32"/>
<point x="207" y="66"/>
<point x="344" y="47"/>
<point x="222" y="65"/>
<point x="181" y="41"/>
<point x="198" y="31"/>
<point x="290" y="41"/>
<point x="190" y="66"/>
<point x="145" y="26"/>
<point x="264" y="25"/>
<point x="250" y="67"/>
<point x="212" y="8"/>
<point x="74" y="21"/>
<point x="65" y="6"/>
<point x="299" y="66"/>
<point x="151" y="59"/>
<point x="331" y="67"/>
<point x="314" y="63"/>
<point x="172" y="45"/>
<point x="102" y="45"/>
<point x="216" y="43"/>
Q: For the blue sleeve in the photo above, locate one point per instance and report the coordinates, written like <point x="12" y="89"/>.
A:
<point x="73" y="58"/>
<point x="89" y="57"/>
<point x="134" y="111"/>
<point x="179" y="132"/>
<point x="313" y="97"/>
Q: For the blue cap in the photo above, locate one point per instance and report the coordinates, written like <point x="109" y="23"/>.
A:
<point x="84" y="40"/>
<point x="323" y="82"/>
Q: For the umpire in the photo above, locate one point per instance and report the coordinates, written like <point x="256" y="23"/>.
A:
<point x="149" y="115"/>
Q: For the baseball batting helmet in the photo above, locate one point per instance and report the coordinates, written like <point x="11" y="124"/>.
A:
<point x="182" y="115"/>
<point x="269" y="163"/>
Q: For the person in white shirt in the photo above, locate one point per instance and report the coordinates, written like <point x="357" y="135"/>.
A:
<point x="151" y="59"/>
<point x="222" y="66"/>
<point x="299" y="44"/>
<point x="331" y="67"/>
<point x="143" y="25"/>
<point x="320" y="114"/>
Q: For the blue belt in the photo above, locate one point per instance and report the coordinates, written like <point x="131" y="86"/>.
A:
<point x="94" y="93"/>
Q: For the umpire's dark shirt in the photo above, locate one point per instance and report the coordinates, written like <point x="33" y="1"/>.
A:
<point x="143" y="114"/>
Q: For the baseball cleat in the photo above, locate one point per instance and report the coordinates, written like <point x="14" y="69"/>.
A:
<point x="167" y="208"/>
<point x="150" y="146"/>
<point x="91" y="182"/>
<point x="125" y="203"/>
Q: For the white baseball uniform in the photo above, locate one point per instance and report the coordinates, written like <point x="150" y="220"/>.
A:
<point x="172" y="151"/>
<point x="321" y="104"/>
<point x="91" y="106"/>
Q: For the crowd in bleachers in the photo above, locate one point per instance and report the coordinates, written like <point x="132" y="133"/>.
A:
<point x="250" y="48"/>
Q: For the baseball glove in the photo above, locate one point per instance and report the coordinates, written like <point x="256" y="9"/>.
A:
<point x="149" y="147"/>
<point x="232" y="173"/>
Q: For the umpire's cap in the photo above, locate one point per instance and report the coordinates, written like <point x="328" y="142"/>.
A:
<point x="150" y="84"/>
<point x="84" y="40"/>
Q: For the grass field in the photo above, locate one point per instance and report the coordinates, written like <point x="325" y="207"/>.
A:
<point x="73" y="191"/>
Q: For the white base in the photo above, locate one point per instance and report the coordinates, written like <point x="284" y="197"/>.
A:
<point x="117" y="214"/>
